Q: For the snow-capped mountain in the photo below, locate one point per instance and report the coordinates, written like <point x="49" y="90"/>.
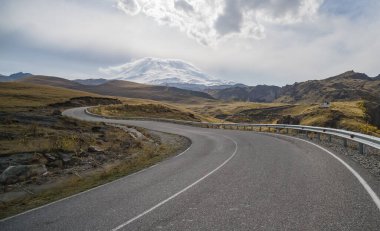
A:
<point x="170" y="72"/>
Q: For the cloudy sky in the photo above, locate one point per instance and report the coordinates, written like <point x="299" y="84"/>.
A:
<point x="249" y="41"/>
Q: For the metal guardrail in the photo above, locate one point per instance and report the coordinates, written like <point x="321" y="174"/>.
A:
<point x="360" y="138"/>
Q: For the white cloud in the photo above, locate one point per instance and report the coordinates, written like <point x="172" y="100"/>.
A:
<point x="129" y="6"/>
<point x="213" y="20"/>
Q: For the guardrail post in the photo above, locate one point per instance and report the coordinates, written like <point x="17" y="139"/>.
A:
<point x="344" y="142"/>
<point x="318" y="136"/>
<point x="259" y="129"/>
<point x="330" y="138"/>
<point x="306" y="134"/>
<point x="361" y="148"/>
<point x="287" y="131"/>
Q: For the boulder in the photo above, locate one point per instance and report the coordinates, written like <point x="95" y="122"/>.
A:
<point x="18" y="173"/>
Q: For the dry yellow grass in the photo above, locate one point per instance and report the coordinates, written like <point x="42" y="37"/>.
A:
<point x="14" y="95"/>
<point x="211" y="109"/>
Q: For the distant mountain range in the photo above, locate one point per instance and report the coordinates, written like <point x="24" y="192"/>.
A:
<point x="167" y="72"/>
<point x="347" y="86"/>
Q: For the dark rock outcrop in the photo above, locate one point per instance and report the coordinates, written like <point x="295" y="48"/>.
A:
<point x="19" y="173"/>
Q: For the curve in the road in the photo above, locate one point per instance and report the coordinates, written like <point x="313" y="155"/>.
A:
<point x="178" y="193"/>
<point x="255" y="182"/>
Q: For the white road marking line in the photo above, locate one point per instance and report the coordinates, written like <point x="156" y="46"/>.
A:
<point x="364" y="183"/>
<point x="180" y="192"/>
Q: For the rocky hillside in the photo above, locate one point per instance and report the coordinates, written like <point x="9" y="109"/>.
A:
<point x="347" y="87"/>
<point x="260" y="93"/>
<point x="344" y="87"/>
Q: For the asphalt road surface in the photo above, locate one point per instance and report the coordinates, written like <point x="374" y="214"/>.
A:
<point x="226" y="180"/>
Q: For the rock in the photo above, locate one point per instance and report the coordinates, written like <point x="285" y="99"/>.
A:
<point x="94" y="149"/>
<point x="14" y="174"/>
<point x="65" y="157"/>
<point x="56" y="164"/>
<point x="21" y="159"/>
<point x="50" y="157"/>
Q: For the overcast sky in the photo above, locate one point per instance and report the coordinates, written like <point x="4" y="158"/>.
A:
<point x="248" y="41"/>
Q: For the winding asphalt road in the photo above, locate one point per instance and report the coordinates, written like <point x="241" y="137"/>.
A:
<point x="226" y="180"/>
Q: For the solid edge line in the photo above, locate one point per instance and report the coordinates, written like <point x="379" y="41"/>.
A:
<point x="180" y="192"/>
<point x="364" y="183"/>
<point x="91" y="189"/>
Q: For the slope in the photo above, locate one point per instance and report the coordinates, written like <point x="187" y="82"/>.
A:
<point x="124" y="89"/>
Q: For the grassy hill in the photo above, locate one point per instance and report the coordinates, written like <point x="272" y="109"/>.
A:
<point x="16" y="95"/>
<point x="146" y="110"/>
<point x="344" y="115"/>
<point x="125" y="89"/>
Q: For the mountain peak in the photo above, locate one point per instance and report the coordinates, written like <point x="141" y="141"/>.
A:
<point x="158" y="71"/>
<point x="350" y="75"/>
